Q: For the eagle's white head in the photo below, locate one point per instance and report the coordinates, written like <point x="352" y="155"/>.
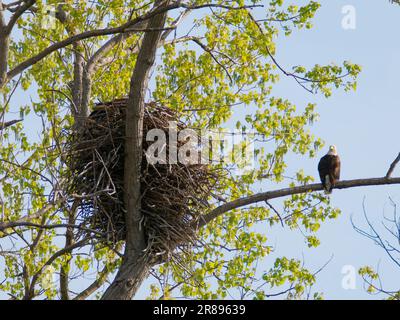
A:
<point x="332" y="150"/>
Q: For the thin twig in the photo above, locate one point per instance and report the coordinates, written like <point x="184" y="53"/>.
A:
<point x="392" y="166"/>
<point x="276" y="212"/>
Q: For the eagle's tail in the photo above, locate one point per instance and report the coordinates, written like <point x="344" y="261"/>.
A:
<point x="327" y="185"/>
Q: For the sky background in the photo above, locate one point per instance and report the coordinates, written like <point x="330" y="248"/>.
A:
<point x="363" y="125"/>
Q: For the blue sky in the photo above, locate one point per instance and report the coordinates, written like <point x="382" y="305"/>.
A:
<point x="363" y="125"/>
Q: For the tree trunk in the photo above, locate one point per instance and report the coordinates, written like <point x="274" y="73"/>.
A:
<point x="4" y="47"/>
<point x="135" y="265"/>
<point x="131" y="274"/>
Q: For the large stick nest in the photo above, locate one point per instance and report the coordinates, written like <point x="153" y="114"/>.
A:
<point x="173" y="196"/>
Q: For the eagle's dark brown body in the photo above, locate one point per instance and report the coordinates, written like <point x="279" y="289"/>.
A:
<point x="329" y="171"/>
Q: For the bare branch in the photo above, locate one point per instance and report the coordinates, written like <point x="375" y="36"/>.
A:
<point x="299" y="79"/>
<point x="2" y="21"/>
<point x="265" y="196"/>
<point x="6" y="124"/>
<point x="10" y="6"/>
<point x="276" y="212"/>
<point x="91" y="67"/>
<point x="69" y="241"/>
<point x="37" y="214"/>
<point x="210" y="52"/>
<point x="98" y="57"/>
<point x="31" y="292"/>
<point x="12" y="224"/>
<point x="18" y="13"/>
<point x="101" y="279"/>
<point x="393" y="166"/>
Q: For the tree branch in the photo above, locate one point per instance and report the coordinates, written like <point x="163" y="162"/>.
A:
<point x="393" y="166"/>
<point x="69" y="241"/>
<point x="6" y="124"/>
<point x="31" y="292"/>
<point x="5" y="31"/>
<point x="18" y="13"/>
<point x="265" y="196"/>
<point x="28" y="218"/>
<point x="2" y="21"/>
<point x="91" y="67"/>
<point x="101" y="279"/>
<point x="12" y="224"/>
<point x="109" y="31"/>
<point x="297" y="78"/>
<point x="97" y="59"/>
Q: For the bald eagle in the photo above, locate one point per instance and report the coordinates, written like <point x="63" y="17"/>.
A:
<point x="329" y="169"/>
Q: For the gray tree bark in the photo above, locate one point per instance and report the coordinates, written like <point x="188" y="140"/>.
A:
<point x="4" y="45"/>
<point x="265" y="196"/>
<point x="135" y="265"/>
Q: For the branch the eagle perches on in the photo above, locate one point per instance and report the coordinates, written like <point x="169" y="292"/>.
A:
<point x="265" y="196"/>
<point x="259" y="197"/>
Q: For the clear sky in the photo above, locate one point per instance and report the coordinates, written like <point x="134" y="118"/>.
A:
<point x="363" y="125"/>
